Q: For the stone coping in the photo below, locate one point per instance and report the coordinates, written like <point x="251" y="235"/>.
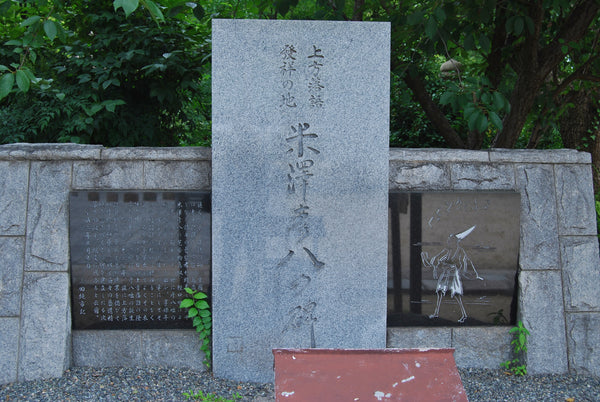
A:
<point x="26" y="151"/>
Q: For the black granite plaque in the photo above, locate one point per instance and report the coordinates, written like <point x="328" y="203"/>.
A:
<point x="453" y="258"/>
<point x="132" y="253"/>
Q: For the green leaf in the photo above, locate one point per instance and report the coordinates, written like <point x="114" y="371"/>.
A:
<point x="482" y="123"/>
<point x="440" y="14"/>
<point x="485" y="43"/>
<point x="30" y="21"/>
<point x="60" y="96"/>
<point x="200" y="295"/>
<point x="197" y="321"/>
<point x="185" y="303"/>
<point x="111" y="104"/>
<point x="447" y="97"/>
<point x="469" y="42"/>
<point x="192" y="312"/>
<point x="14" y="42"/>
<point x="4" y="68"/>
<point x="204" y="313"/>
<point x="50" y="29"/>
<point x="128" y="6"/>
<point x="154" y="10"/>
<point x="199" y="12"/>
<point x="431" y="28"/>
<point x="519" y="24"/>
<point x="416" y="18"/>
<point x="202" y="305"/>
<point x="496" y="120"/>
<point x="6" y="84"/>
<point x="189" y="291"/>
<point x="23" y="81"/>
<point x="498" y="100"/>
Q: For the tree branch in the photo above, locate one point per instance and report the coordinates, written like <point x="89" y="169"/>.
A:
<point x="438" y="119"/>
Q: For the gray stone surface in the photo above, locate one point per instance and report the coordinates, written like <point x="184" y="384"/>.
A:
<point x="45" y="345"/>
<point x="437" y="155"/>
<point x="131" y="348"/>
<point x="172" y="348"/>
<point x="539" y="156"/>
<point x="417" y="337"/>
<point x="11" y="275"/>
<point x="421" y="176"/>
<point x="539" y="226"/>
<point x="575" y="200"/>
<point x="296" y="186"/>
<point x="481" y="347"/>
<point x="9" y="341"/>
<point x="108" y="174"/>
<point x="156" y="154"/>
<point x="47" y="152"/>
<point x="581" y="271"/>
<point x="14" y="177"/>
<point x="169" y="175"/>
<point x="546" y="347"/>
<point x="482" y="176"/>
<point x="107" y="348"/>
<point x="47" y="218"/>
<point x="583" y="337"/>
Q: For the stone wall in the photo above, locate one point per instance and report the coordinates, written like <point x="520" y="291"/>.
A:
<point x="558" y="282"/>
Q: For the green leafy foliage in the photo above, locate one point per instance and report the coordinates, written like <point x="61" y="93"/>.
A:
<point x="113" y="79"/>
<point x="201" y="396"/>
<point x="516" y="366"/>
<point x="199" y="311"/>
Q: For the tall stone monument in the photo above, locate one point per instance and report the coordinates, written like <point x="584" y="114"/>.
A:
<point x="300" y="189"/>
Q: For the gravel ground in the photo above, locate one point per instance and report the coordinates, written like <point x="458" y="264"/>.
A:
<point x="165" y="384"/>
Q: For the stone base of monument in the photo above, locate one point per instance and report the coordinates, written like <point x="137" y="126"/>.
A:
<point x="367" y="375"/>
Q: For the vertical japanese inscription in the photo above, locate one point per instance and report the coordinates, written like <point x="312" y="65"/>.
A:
<point x="132" y="253"/>
<point x="301" y="151"/>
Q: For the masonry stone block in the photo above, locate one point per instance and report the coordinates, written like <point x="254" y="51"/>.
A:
<point x="581" y="270"/>
<point x="481" y="347"/>
<point x="539" y="156"/>
<point x="539" y="226"/>
<point x="9" y="346"/>
<point x="419" y="176"/>
<point x="583" y="337"/>
<point x="172" y="348"/>
<point x="177" y="175"/>
<point x="45" y="345"/>
<point x="542" y="313"/>
<point x="14" y="177"/>
<point x="437" y="155"/>
<point x="575" y="200"/>
<point x="471" y="176"/>
<point x="157" y="154"/>
<point x="112" y="348"/>
<point x="48" y="152"/>
<point x="11" y="275"/>
<point x="47" y="247"/>
<point x="108" y="174"/>
<point x="419" y="337"/>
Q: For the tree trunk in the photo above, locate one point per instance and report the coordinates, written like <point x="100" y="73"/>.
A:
<point x="433" y="112"/>
<point x="522" y="101"/>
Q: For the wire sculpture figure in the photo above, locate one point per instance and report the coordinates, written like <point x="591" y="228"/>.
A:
<point x="449" y="267"/>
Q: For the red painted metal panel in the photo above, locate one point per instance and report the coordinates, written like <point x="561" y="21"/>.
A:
<point x="314" y="375"/>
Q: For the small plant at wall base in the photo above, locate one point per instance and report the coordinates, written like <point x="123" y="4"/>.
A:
<point x="201" y="396"/>
<point x="199" y="311"/>
<point x="516" y="366"/>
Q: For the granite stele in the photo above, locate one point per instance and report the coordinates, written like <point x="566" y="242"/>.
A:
<point x="300" y="189"/>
